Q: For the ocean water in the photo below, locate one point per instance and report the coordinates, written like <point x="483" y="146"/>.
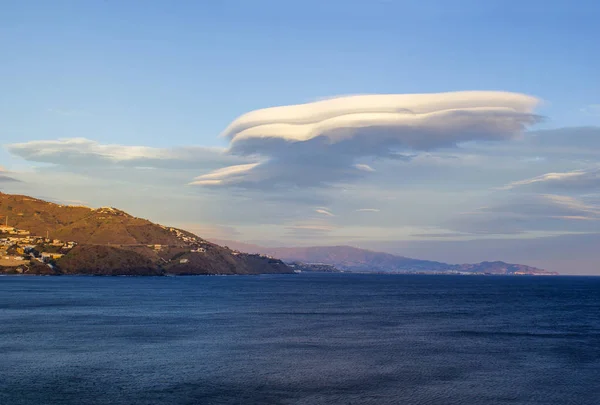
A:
<point x="300" y="339"/>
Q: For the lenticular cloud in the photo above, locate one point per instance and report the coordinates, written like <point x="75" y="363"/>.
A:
<point x="494" y="115"/>
<point x="326" y="139"/>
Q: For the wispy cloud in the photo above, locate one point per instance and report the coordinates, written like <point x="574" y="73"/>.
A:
<point x="6" y="177"/>
<point x="325" y="212"/>
<point x="578" y="180"/>
<point x="82" y="152"/>
<point x="224" y="175"/>
<point x="367" y="210"/>
<point x="364" y="167"/>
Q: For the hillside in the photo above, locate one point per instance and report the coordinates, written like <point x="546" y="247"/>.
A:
<point x="81" y="224"/>
<point x="107" y="261"/>
<point x="109" y="241"/>
<point x="347" y="258"/>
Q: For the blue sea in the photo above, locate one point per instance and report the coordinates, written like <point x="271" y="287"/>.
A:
<point x="300" y="339"/>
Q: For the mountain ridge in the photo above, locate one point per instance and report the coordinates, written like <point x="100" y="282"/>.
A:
<point x="352" y="259"/>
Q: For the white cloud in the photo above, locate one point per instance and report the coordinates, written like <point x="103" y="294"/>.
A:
<point x="81" y="152"/>
<point x="582" y="180"/>
<point x="500" y="114"/>
<point x="227" y="174"/>
<point x="325" y="212"/>
<point x="364" y="167"/>
<point x="318" y="144"/>
<point x="367" y="210"/>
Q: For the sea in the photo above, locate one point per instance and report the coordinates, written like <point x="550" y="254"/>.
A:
<point x="300" y="339"/>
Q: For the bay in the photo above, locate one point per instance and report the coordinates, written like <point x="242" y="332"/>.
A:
<point x="300" y="339"/>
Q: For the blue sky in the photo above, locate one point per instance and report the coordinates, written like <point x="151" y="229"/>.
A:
<point x="168" y="75"/>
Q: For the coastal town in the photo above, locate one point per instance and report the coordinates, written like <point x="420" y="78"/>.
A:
<point x="21" y="251"/>
<point x="18" y="248"/>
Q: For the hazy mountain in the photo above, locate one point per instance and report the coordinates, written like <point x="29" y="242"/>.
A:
<point x="347" y="258"/>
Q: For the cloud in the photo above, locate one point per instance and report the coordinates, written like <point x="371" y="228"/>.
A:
<point x="483" y="114"/>
<point x="225" y="175"/>
<point x="364" y="167"/>
<point x="5" y="177"/>
<point x="319" y="143"/>
<point x="325" y="212"/>
<point x="526" y="213"/>
<point x="81" y="152"/>
<point x="578" y="180"/>
<point x="367" y="210"/>
<point x="301" y="171"/>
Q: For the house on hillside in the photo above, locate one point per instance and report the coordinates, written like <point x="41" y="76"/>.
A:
<point x="7" y="229"/>
<point x="46" y="256"/>
<point x="13" y="258"/>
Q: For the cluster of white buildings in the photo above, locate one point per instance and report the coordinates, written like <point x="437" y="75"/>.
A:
<point x="11" y="230"/>
<point x="23" y="246"/>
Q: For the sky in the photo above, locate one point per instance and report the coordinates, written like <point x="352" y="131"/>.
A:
<point x="458" y="131"/>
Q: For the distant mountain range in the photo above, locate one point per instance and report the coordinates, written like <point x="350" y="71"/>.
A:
<point x="108" y="241"/>
<point x="48" y="238"/>
<point x="351" y="259"/>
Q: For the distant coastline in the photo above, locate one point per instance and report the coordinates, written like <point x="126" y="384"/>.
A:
<point x="43" y="238"/>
